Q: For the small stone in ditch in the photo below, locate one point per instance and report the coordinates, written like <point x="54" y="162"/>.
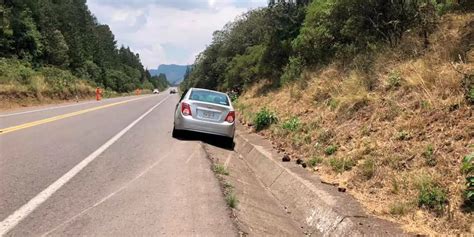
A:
<point x="341" y="189"/>
<point x="299" y="161"/>
<point x="286" y="158"/>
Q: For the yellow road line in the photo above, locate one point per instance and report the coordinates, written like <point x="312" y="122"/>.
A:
<point x="63" y="116"/>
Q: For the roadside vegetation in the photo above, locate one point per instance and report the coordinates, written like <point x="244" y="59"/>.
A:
<point x="56" y="50"/>
<point x="376" y="96"/>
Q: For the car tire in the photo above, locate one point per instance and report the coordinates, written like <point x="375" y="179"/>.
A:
<point x="229" y="143"/>
<point x="176" y="133"/>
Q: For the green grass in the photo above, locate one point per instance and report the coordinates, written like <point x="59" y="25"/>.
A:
<point x="431" y="195"/>
<point x="231" y="200"/>
<point x="292" y="124"/>
<point x="341" y="164"/>
<point x="331" y="149"/>
<point x="402" y="135"/>
<point x="394" y="80"/>
<point x="220" y="169"/>
<point x="315" y="161"/>
<point x="368" y="168"/>
<point x="429" y="156"/>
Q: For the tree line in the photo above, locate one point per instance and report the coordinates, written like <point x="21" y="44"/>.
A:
<point x="66" y="35"/>
<point x="278" y="42"/>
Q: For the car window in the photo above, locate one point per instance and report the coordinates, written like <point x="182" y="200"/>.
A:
<point x="209" y="96"/>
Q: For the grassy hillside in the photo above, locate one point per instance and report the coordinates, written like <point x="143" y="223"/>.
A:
<point x="393" y="130"/>
<point x="20" y="84"/>
<point x="52" y="50"/>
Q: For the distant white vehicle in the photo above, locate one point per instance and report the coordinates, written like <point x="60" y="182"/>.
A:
<point x="156" y="91"/>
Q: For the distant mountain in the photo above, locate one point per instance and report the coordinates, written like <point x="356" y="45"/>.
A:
<point x="174" y="73"/>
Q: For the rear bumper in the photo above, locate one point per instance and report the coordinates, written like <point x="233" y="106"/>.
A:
<point x="189" y="124"/>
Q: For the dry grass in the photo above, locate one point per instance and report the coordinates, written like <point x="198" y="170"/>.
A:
<point x="390" y="126"/>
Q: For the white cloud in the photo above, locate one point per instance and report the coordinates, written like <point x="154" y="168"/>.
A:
<point x="164" y="34"/>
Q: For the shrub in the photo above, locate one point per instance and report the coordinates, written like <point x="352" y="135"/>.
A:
<point x="430" y="158"/>
<point x="341" y="164"/>
<point x="330" y="150"/>
<point x="315" y="161"/>
<point x="292" y="124"/>
<point x="368" y="168"/>
<point x="264" y="118"/>
<point x="431" y="195"/>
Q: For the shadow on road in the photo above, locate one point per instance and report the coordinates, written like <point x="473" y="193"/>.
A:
<point x="212" y="140"/>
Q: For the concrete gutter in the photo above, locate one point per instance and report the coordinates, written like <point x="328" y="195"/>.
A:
<point x="320" y="208"/>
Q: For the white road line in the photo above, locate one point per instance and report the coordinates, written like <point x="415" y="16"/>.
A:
<point x="11" y="221"/>
<point x="110" y="195"/>
<point x="191" y="156"/>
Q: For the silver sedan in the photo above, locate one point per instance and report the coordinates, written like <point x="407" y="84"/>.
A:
<point x="205" y="111"/>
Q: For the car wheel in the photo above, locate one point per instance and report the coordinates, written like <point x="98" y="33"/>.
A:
<point x="229" y="143"/>
<point x="176" y="133"/>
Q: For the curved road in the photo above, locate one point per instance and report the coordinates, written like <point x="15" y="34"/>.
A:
<point x="106" y="168"/>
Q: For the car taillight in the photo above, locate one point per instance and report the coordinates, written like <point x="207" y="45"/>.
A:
<point x="230" y="117"/>
<point x="185" y="109"/>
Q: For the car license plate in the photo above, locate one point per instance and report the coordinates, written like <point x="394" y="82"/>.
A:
<point x="207" y="115"/>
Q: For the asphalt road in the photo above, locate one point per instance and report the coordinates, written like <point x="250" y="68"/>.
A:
<point x="108" y="168"/>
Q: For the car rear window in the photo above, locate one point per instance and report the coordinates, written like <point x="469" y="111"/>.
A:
<point x="209" y="96"/>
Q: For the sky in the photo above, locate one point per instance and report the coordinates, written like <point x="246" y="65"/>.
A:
<point x="168" y="31"/>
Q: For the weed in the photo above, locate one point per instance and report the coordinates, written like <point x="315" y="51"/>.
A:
<point x="431" y="195"/>
<point x="333" y="103"/>
<point x="399" y="208"/>
<point x="402" y="135"/>
<point x="365" y="131"/>
<point x="315" y="161"/>
<point x="231" y="200"/>
<point x="220" y="169"/>
<point x="292" y="124"/>
<point x="470" y="96"/>
<point x="227" y="186"/>
<point x="368" y="168"/>
<point x="331" y="149"/>
<point x="430" y="158"/>
<point x="467" y="165"/>
<point x="341" y="164"/>
<point x="394" y="80"/>
<point x="424" y="104"/>
<point x="395" y="186"/>
<point x="467" y="168"/>
<point x="264" y="118"/>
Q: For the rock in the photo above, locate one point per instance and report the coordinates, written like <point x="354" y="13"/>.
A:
<point x="299" y="161"/>
<point x="304" y="165"/>
<point x="286" y="158"/>
<point x="341" y="189"/>
<point x="316" y="168"/>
